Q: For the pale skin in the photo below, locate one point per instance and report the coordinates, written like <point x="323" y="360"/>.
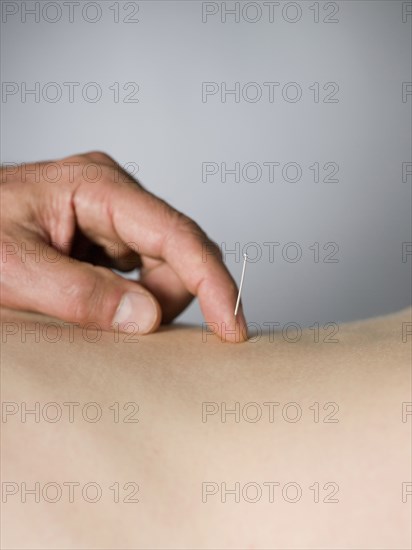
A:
<point x="338" y="429"/>
<point x="90" y="226"/>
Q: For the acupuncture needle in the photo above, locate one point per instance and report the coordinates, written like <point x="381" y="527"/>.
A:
<point x="241" y="283"/>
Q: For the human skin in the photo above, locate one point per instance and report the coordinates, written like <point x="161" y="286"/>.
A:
<point x="65" y="223"/>
<point x="350" y="449"/>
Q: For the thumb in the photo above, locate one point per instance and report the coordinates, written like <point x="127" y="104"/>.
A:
<point x="77" y="292"/>
<point x="137" y="309"/>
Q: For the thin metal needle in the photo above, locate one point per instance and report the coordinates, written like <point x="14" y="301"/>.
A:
<point x="241" y="283"/>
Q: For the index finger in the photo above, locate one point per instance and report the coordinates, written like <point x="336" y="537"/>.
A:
<point x="162" y="232"/>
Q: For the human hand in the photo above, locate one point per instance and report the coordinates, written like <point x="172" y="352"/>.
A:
<point x="61" y="230"/>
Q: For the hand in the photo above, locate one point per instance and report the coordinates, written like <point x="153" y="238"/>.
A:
<point x="65" y="223"/>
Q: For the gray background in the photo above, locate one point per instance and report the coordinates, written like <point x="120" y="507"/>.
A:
<point x="170" y="132"/>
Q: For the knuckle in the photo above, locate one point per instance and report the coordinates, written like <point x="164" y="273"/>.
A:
<point x="100" y="156"/>
<point x="185" y="224"/>
<point x="215" y="249"/>
<point x="78" y="165"/>
<point x="180" y="231"/>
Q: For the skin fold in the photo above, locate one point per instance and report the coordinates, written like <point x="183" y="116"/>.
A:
<point x="336" y="427"/>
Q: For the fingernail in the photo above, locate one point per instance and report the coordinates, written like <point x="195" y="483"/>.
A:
<point x="240" y="324"/>
<point x="243" y="324"/>
<point x="235" y="328"/>
<point x="136" y="311"/>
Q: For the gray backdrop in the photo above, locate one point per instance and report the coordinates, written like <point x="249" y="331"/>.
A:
<point x="267" y="122"/>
